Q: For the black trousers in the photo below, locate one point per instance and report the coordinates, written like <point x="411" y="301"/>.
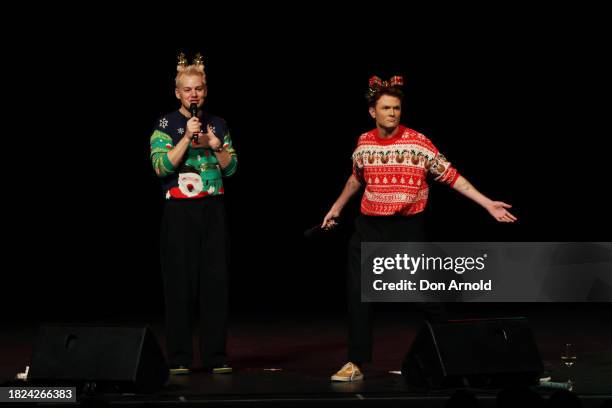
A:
<point x="194" y="259"/>
<point x="378" y="229"/>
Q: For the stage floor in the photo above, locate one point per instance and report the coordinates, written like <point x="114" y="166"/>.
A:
<point x="286" y="360"/>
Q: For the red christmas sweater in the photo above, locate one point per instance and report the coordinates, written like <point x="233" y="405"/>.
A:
<point x="394" y="171"/>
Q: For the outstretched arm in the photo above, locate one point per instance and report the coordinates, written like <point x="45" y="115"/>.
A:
<point x="350" y="188"/>
<point x="497" y="209"/>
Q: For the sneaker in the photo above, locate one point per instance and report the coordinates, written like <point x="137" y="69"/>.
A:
<point x="222" y="369"/>
<point x="180" y="370"/>
<point x="348" y="372"/>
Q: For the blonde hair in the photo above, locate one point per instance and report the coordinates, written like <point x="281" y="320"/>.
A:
<point x="189" y="70"/>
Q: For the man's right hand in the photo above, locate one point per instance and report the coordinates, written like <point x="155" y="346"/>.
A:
<point x="193" y="126"/>
<point x="329" y="220"/>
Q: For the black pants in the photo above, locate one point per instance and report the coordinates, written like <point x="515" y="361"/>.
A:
<point x="194" y="258"/>
<point x="378" y="229"/>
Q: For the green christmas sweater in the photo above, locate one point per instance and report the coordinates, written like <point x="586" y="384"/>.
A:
<point x="199" y="174"/>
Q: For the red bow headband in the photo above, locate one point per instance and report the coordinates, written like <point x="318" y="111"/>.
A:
<point x="376" y="84"/>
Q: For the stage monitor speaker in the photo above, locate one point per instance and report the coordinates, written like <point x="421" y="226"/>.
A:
<point x="126" y="359"/>
<point x="484" y="353"/>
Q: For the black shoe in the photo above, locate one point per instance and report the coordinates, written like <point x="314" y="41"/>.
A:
<point x="222" y="369"/>
<point x="180" y="370"/>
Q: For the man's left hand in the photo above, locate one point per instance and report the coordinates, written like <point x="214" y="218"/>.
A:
<point x="497" y="209"/>
<point x="208" y="139"/>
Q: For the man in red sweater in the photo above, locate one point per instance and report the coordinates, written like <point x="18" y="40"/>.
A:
<point x="392" y="162"/>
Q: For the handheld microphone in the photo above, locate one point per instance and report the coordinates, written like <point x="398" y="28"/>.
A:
<point x="193" y="108"/>
<point x="318" y="229"/>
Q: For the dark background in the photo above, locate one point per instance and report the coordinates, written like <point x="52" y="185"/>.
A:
<point x="518" y="115"/>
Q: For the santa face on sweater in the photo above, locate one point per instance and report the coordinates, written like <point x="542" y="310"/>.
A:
<point x="190" y="184"/>
<point x="387" y="112"/>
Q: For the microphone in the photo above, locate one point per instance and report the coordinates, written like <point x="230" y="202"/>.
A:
<point x="193" y="108"/>
<point x="318" y="229"/>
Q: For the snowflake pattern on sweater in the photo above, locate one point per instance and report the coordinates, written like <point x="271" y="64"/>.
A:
<point x="394" y="171"/>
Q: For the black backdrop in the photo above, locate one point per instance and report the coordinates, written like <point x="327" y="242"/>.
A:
<point x="518" y="117"/>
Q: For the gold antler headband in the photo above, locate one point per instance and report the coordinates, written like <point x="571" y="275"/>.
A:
<point x="198" y="62"/>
